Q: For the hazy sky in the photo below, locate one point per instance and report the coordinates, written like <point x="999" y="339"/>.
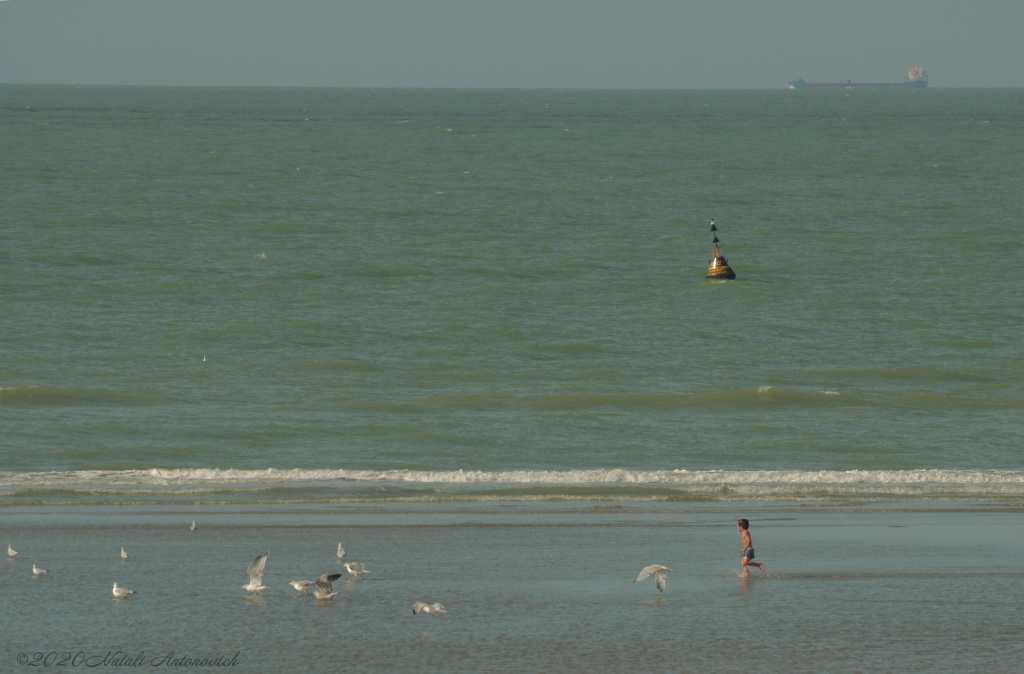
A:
<point x="510" y="43"/>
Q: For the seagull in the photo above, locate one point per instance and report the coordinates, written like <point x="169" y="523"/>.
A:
<point x="323" y="590"/>
<point x="255" y="572"/>
<point x="37" y="571"/>
<point x="193" y="525"/>
<point x="124" y="555"/>
<point x="427" y="608"/>
<point x="11" y="552"/>
<point x="121" y="593"/>
<point x="302" y="585"/>
<point x="355" y="568"/>
<point x="659" y="572"/>
<point x="341" y="552"/>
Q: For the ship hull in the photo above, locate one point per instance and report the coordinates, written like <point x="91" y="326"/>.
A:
<point x="909" y="84"/>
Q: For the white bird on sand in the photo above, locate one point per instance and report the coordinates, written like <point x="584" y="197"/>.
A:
<point x="124" y="555"/>
<point x="341" y="552"/>
<point x="193" y="525"/>
<point x="355" y="568"/>
<point x="37" y="571"/>
<point x="121" y="593"/>
<point x="11" y="552"/>
<point x="427" y="608"/>
<point x="302" y="585"/>
<point x="324" y="589"/>
<point x="255" y="572"/>
<point x="659" y="572"/>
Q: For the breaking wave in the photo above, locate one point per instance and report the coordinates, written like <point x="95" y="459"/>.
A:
<point x="598" y="484"/>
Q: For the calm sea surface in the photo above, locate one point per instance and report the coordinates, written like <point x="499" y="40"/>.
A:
<point x="375" y="285"/>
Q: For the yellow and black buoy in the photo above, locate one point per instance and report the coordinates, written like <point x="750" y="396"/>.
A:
<point x="718" y="266"/>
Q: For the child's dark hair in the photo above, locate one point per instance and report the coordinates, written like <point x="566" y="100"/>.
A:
<point x="743" y="523"/>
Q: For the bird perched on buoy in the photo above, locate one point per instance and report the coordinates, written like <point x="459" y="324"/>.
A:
<point x="718" y="266"/>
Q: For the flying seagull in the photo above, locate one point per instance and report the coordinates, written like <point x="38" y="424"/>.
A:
<point x="302" y="585"/>
<point x="121" y="593"/>
<point x="341" y="552"/>
<point x="324" y="589"/>
<point x="37" y="571"/>
<point x="659" y="572"/>
<point x="427" y="608"/>
<point x="11" y="552"/>
<point x="355" y="568"/>
<point x="255" y="572"/>
<point x="124" y="555"/>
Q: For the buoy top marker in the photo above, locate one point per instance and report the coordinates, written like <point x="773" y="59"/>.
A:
<point x="718" y="266"/>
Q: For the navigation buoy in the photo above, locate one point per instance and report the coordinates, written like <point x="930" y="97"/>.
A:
<point x="718" y="266"/>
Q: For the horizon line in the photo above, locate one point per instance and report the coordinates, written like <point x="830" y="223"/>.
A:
<point x="446" y="88"/>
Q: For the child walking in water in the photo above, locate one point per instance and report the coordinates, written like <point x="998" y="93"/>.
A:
<point x="748" y="548"/>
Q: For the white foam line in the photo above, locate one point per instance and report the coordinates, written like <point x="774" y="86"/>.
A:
<point x="212" y="476"/>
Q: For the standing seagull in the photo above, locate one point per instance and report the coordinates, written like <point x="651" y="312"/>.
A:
<point x="324" y="589"/>
<point x="37" y="571"/>
<point x="255" y="572"/>
<point x="124" y="555"/>
<point x="11" y="552"/>
<point x="121" y="593"/>
<point x="341" y="552"/>
<point x="302" y="585"/>
<point x="427" y="608"/>
<point x="355" y="568"/>
<point x="193" y="525"/>
<point x="659" y="572"/>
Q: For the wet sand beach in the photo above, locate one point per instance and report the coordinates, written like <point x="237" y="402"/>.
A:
<point x="545" y="587"/>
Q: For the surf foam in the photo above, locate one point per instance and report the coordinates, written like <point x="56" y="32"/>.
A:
<point x="865" y="479"/>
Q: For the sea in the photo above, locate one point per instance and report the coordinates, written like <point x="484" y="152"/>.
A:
<point x="468" y="334"/>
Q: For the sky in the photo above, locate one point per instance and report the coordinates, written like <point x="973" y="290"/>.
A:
<point x="591" y="44"/>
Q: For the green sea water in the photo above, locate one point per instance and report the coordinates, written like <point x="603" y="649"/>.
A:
<point x="500" y="294"/>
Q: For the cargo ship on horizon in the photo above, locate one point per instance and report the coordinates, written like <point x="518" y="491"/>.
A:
<point x="917" y="78"/>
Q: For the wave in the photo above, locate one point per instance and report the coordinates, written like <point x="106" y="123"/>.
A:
<point x="31" y="396"/>
<point x="757" y="397"/>
<point x="596" y="482"/>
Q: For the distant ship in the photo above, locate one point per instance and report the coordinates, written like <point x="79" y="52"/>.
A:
<point x="917" y="78"/>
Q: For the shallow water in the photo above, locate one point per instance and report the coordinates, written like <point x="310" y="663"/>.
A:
<point x="547" y="590"/>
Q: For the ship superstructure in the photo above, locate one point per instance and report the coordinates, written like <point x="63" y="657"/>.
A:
<point x="917" y="78"/>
